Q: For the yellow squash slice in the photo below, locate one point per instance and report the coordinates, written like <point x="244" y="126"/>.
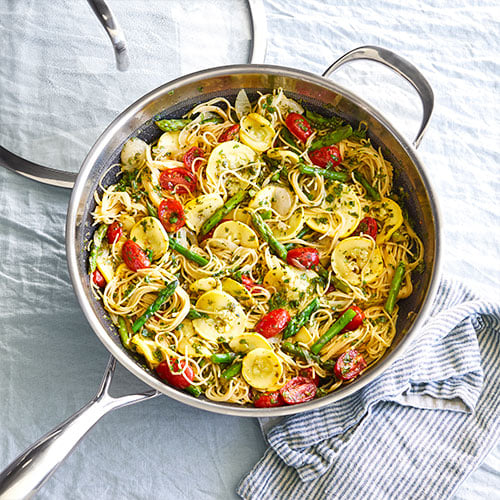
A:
<point x="256" y="132"/>
<point x="168" y="144"/>
<point x="342" y="212"/>
<point x="197" y="211"/>
<point x="241" y="215"/>
<point x="105" y="264"/>
<point x="248" y="342"/>
<point x="389" y="214"/>
<point x="237" y="290"/>
<point x="278" y="198"/>
<point x="189" y="343"/>
<point x="261" y="368"/>
<point x="149" y="234"/>
<point x="357" y="260"/>
<point x="204" y="285"/>
<point x="133" y="153"/>
<point x="148" y="348"/>
<point x="237" y="232"/>
<point x="293" y="285"/>
<point x="303" y="335"/>
<point x="236" y="163"/>
<point x="226" y="317"/>
<point x="151" y="181"/>
<point x="287" y="229"/>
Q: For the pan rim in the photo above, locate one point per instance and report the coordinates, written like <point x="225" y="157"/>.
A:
<point x="216" y="407"/>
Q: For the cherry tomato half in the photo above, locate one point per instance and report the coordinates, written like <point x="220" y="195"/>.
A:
<point x="355" y="322"/>
<point x="273" y="323"/>
<point x="349" y="365"/>
<point x="177" y="180"/>
<point x="98" y="279"/>
<point x="179" y="374"/>
<point x="190" y="157"/>
<point x="268" y="400"/>
<point x="310" y="374"/>
<point x="303" y="257"/>
<point x="134" y="256"/>
<point x="171" y="215"/>
<point x="298" y="126"/>
<point x="231" y="134"/>
<point x="326" y="157"/>
<point x="367" y="226"/>
<point x="248" y="282"/>
<point x="114" y="232"/>
<point x="298" y="390"/>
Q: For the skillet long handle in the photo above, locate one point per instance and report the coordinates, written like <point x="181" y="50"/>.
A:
<point x="400" y="66"/>
<point x="29" y="471"/>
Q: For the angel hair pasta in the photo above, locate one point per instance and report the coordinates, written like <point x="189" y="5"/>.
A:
<point x="255" y="253"/>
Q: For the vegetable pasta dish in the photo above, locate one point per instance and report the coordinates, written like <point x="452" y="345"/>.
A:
<point x="255" y="253"/>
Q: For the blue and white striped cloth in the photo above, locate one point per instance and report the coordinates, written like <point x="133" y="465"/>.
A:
<point x="414" y="433"/>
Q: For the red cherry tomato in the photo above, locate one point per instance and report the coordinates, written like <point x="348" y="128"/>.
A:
<point x="114" y="232"/>
<point x="367" y="226"/>
<point x="268" y="400"/>
<point x="179" y="374"/>
<point x="298" y="390"/>
<point x="303" y="257"/>
<point x="355" y="322"/>
<point x="349" y="365"/>
<point x="171" y="215"/>
<point x="273" y="323"/>
<point x="211" y="232"/>
<point x="326" y="157"/>
<point x="98" y="279"/>
<point x="190" y="157"/>
<point x="298" y="126"/>
<point x="230" y="134"/>
<point x="248" y="283"/>
<point x="134" y="256"/>
<point x="177" y="180"/>
<point x="310" y="374"/>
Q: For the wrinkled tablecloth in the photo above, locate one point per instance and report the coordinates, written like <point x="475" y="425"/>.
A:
<point x="50" y="360"/>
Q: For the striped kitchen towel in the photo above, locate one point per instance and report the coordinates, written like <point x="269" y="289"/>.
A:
<point x="414" y="433"/>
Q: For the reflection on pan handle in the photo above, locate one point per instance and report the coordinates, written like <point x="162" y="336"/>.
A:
<point x="29" y="471"/>
<point x="400" y="66"/>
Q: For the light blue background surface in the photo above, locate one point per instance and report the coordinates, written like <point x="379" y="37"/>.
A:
<point x="59" y="90"/>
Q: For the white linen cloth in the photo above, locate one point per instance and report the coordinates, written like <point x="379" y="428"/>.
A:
<point x="59" y="89"/>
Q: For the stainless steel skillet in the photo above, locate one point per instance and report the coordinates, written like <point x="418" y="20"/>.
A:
<point x="30" y="470"/>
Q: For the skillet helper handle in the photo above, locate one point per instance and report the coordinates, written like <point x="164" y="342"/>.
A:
<point x="29" y="471"/>
<point x="400" y="66"/>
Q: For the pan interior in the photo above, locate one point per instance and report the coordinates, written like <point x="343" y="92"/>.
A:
<point x="408" y="177"/>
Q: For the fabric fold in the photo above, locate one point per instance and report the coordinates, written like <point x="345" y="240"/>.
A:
<point x="424" y="409"/>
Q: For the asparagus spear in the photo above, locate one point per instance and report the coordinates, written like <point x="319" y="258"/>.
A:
<point x="288" y="138"/>
<point x="151" y="209"/>
<point x="194" y="314"/>
<point x="328" y="174"/>
<point x="231" y="371"/>
<point x="172" y="125"/>
<point x="321" y="121"/>
<point x="302" y="233"/>
<point x="194" y="390"/>
<point x="98" y="237"/>
<point x="264" y="231"/>
<point x="201" y="261"/>
<point x="221" y="212"/>
<point x="338" y="284"/>
<point x="300" y="319"/>
<point x="123" y="331"/>
<point x="370" y="190"/>
<point x="335" y="329"/>
<point x="332" y="137"/>
<point x="225" y="357"/>
<point x="395" y="286"/>
<point x="153" y="308"/>
<point x="298" y="352"/>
